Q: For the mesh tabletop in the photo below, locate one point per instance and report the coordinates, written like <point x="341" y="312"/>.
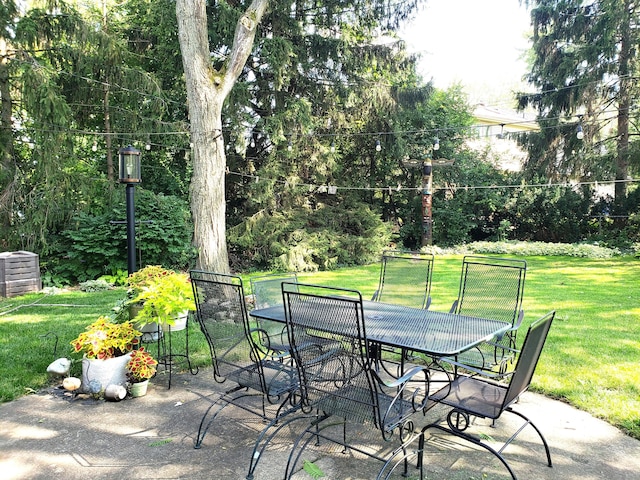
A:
<point x="426" y="331"/>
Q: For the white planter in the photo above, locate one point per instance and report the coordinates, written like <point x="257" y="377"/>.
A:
<point x="99" y="374"/>
<point x="180" y="322"/>
<point x="139" y="389"/>
<point x="150" y="332"/>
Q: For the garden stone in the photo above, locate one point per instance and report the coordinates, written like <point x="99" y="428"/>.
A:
<point x="61" y="366"/>
<point x="71" y="384"/>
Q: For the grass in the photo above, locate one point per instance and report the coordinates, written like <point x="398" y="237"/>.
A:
<point x="590" y="360"/>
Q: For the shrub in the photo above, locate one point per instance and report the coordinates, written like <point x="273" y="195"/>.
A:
<point x="95" y="245"/>
<point x="308" y="239"/>
<point x="99" y="285"/>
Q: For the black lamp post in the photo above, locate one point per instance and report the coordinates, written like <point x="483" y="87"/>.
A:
<point x="130" y="175"/>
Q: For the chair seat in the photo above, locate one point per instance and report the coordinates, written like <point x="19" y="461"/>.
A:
<point x="479" y="397"/>
<point x="278" y="377"/>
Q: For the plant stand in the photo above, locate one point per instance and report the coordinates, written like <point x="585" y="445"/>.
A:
<point x="166" y="354"/>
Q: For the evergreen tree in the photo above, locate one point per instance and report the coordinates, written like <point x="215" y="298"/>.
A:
<point x="585" y="64"/>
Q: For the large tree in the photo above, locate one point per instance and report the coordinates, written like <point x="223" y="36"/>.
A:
<point x="585" y="64"/>
<point x="69" y="87"/>
<point x="207" y="89"/>
<point x="303" y="57"/>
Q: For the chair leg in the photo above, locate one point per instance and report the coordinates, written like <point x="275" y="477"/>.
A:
<point x="263" y="439"/>
<point x="393" y="463"/>
<point x="475" y="441"/>
<point x="221" y="402"/>
<point x="533" y="425"/>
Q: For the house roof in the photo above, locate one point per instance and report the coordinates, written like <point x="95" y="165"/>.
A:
<point x="511" y="120"/>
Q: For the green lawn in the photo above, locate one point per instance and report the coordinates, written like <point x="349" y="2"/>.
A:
<point x="591" y="359"/>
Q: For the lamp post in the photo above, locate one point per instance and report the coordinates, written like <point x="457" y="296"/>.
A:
<point x="129" y="174"/>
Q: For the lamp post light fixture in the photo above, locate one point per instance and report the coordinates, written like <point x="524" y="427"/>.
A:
<point x="129" y="174"/>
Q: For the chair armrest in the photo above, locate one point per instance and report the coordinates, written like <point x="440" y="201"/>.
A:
<point x="264" y="347"/>
<point x="398" y="382"/>
<point x="454" y="307"/>
<point x="518" y="322"/>
<point x="415" y="397"/>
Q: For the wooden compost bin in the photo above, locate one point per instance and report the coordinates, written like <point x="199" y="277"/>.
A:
<point x="19" y="273"/>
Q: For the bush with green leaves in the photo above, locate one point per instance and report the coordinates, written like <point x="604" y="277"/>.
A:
<point x="308" y="239"/>
<point x="95" y="244"/>
<point x="99" y="285"/>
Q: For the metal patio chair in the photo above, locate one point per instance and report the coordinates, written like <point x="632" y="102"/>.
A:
<point x="267" y="292"/>
<point x="238" y="356"/>
<point x="405" y="278"/>
<point x="341" y="384"/>
<point x="476" y="396"/>
<point x="491" y="288"/>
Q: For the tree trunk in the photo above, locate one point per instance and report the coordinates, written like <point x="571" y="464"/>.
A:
<point x="207" y="90"/>
<point x="7" y="163"/>
<point x="622" y="159"/>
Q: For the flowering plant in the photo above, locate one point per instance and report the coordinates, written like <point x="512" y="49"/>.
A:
<point x="163" y="298"/>
<point x="144" y="277"/>
<point x="105" y="339"/>
<point x="142" y="366"/>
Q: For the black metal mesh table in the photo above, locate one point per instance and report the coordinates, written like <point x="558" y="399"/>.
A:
<point x="436" y="334"/>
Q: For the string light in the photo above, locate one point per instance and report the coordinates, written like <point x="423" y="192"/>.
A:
<point x="579" y="130"/>
<point x="333" y="147"/>
<point x="436" y="144"/>
<point x="378" y="146"/>
<point x="94" y="147"/>
<point x="399" y="187"/>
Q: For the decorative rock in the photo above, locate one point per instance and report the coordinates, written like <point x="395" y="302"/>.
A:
<point x="61" y="366"/>
<point x="71" y="383"/>
<point x="95" y="386"/>
<point x="115" y="393"/>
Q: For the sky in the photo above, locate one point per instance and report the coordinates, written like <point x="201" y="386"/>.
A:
<point x="478" y="43"/>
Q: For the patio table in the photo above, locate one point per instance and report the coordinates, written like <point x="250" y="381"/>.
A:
<point x="436" y="334"/>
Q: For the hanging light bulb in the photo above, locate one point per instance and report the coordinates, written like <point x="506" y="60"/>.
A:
<point x="378" y="146"/>
<point x="436" y="144"/>
<point x="94" y="147"/>
<point x="147" y="147"/>
<point x="579" y="132"/>
<point x="333" y="147"/>
<point x="289" y="146"/>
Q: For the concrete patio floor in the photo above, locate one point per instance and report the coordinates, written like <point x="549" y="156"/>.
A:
<point x="48" y="435"/>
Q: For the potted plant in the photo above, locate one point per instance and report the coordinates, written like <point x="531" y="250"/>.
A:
<point x="165" y="299"/>
<point x="137" y="282"/>
<point x="106" y="347"/>
<point x="140" y="368"/>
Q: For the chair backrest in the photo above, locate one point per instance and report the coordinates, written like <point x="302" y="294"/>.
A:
<point x="491" y="288"/>
<point x="267" y="289"/>
<point x="405" y="278"/>
<point x="528" y="358"/>
<point x="335" y="377"/>
<point x="222" y="315"/>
